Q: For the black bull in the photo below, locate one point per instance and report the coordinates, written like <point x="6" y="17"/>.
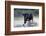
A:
<point x="27" y="17"/>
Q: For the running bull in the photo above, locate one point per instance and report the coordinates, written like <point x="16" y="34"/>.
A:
<point x="27" y="17"/>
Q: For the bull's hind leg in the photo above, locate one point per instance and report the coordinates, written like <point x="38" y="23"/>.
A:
<point x="31" y="20"/>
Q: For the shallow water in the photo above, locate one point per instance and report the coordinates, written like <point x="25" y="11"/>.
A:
<point x="20" y="22"/>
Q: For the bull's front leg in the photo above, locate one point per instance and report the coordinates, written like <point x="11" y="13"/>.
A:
<point x="24" y="21"/>
<point x="32" y="19"/>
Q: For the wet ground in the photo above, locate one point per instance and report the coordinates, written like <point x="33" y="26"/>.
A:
<point x="20" y="22"/>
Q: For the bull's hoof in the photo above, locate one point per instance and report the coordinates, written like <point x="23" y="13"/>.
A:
<point x="23" y="25"/>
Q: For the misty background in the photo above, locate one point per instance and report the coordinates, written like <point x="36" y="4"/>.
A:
<point x="19" y="12"/>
